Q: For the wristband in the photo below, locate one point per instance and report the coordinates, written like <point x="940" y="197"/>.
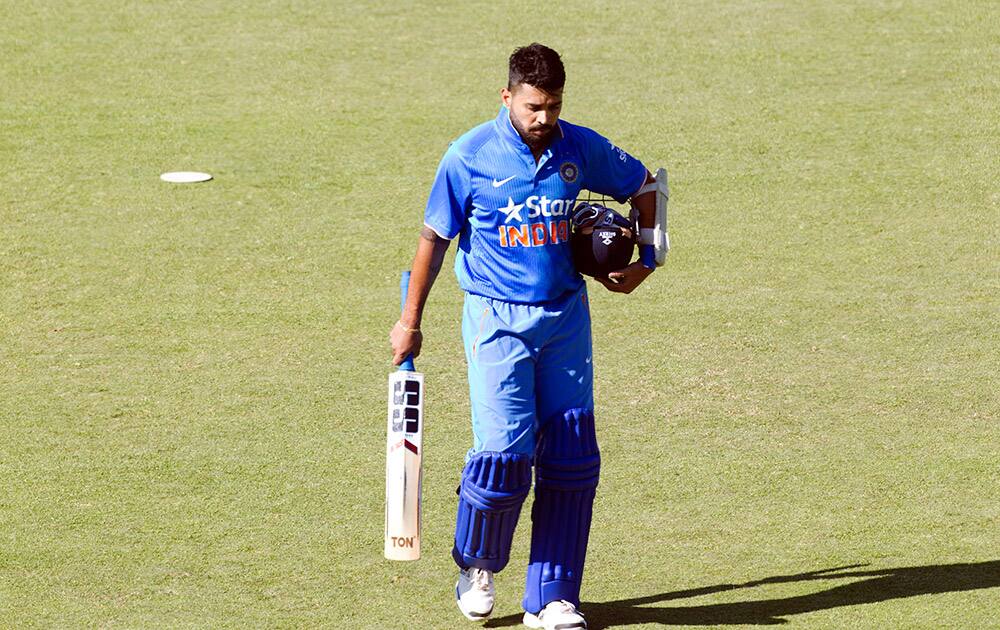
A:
<point x="647" y="256"/>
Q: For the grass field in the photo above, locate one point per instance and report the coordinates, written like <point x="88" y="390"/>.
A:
<point x="798" y="415"/>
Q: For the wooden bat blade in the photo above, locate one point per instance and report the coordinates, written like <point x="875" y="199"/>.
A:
<point x="403" y="465"/>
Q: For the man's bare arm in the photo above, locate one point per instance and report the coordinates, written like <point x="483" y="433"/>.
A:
<point x="405" y="336"/>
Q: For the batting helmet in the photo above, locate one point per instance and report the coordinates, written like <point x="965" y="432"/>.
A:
<point x="602" y="241"/>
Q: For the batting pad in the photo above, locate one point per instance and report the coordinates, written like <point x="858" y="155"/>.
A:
<point x="567" y="466"/>
<point x="494" y="485"/>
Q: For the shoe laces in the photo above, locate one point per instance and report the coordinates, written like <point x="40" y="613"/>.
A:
<point x="480" y="578"/>
<point x="563" y="606"/>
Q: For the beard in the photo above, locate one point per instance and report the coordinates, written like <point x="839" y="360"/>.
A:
<point x="537" y="137"/>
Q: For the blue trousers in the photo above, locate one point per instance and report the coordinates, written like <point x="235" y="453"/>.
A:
<point x="531" y="386"/>
<point x="527" y="364"/>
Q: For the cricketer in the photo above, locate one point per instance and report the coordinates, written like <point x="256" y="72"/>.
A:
<point x="505" y="190"/>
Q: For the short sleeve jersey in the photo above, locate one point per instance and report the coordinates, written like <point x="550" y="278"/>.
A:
<point x="512" y="214"/>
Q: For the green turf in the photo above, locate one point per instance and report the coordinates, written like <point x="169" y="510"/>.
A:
<point x="192" y="377"/>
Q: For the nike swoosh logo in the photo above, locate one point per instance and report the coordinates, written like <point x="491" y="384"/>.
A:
<point x="498" y="184"/>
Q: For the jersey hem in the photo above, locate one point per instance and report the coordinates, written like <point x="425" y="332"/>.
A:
<point x="581" y="283"/>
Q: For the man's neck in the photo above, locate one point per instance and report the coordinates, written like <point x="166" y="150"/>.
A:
<point x="540" y="149"/>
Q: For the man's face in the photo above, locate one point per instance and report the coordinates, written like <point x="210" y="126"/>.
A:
<point x="533" y="113"/>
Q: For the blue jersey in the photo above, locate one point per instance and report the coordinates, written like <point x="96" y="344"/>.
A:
<point x="512" y="215"/>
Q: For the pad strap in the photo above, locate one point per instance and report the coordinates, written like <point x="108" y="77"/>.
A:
<point x="650" y="187"/>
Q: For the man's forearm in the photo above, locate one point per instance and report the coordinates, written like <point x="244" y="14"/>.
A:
<point x="646" y="204"/>
<point x="426" y="265"/>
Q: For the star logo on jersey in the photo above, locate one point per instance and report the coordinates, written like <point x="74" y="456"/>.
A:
<point x="512" y="210"/>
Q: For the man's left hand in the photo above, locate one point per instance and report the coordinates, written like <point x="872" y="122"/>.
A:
<point x="627" y="279"/>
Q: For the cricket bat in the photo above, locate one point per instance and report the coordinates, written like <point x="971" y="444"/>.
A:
<point x="403" y="454"/>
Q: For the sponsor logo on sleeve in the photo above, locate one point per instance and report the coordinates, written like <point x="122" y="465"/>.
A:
<point x="621" y="154"/>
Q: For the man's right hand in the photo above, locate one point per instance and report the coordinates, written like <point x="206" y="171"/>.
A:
<point x="404" y="342"/>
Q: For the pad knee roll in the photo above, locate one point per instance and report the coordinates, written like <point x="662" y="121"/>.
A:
<point x="567" y="467"/>
<point x="493" y="488"/>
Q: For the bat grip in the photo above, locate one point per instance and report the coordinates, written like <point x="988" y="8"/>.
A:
<point x="404" y="285"/>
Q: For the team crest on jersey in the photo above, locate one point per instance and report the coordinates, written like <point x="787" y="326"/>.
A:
<point x="569" y="172"/>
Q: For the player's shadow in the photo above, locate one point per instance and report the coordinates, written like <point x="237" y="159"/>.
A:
<point x="867" y="587"/>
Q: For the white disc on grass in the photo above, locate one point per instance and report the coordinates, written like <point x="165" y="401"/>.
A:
<point x="185" y="177"/>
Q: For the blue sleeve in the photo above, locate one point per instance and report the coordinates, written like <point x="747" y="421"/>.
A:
<point x="608" y="170"/>
<point x="450" y="196"/>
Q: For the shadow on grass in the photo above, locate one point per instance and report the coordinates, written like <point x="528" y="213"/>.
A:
<point x="871" y="586"/>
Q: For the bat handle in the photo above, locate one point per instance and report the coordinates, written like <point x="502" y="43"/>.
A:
<point x="404" y="285"/>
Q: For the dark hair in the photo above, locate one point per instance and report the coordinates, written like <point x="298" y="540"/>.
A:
<point x="538" y="66"/>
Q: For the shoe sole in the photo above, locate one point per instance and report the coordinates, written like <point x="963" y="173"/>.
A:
<point x="532" y="621"/>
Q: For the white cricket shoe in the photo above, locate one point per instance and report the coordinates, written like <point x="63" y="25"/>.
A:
<point x="475" y="593"/>
<point x="557" y="615"/>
